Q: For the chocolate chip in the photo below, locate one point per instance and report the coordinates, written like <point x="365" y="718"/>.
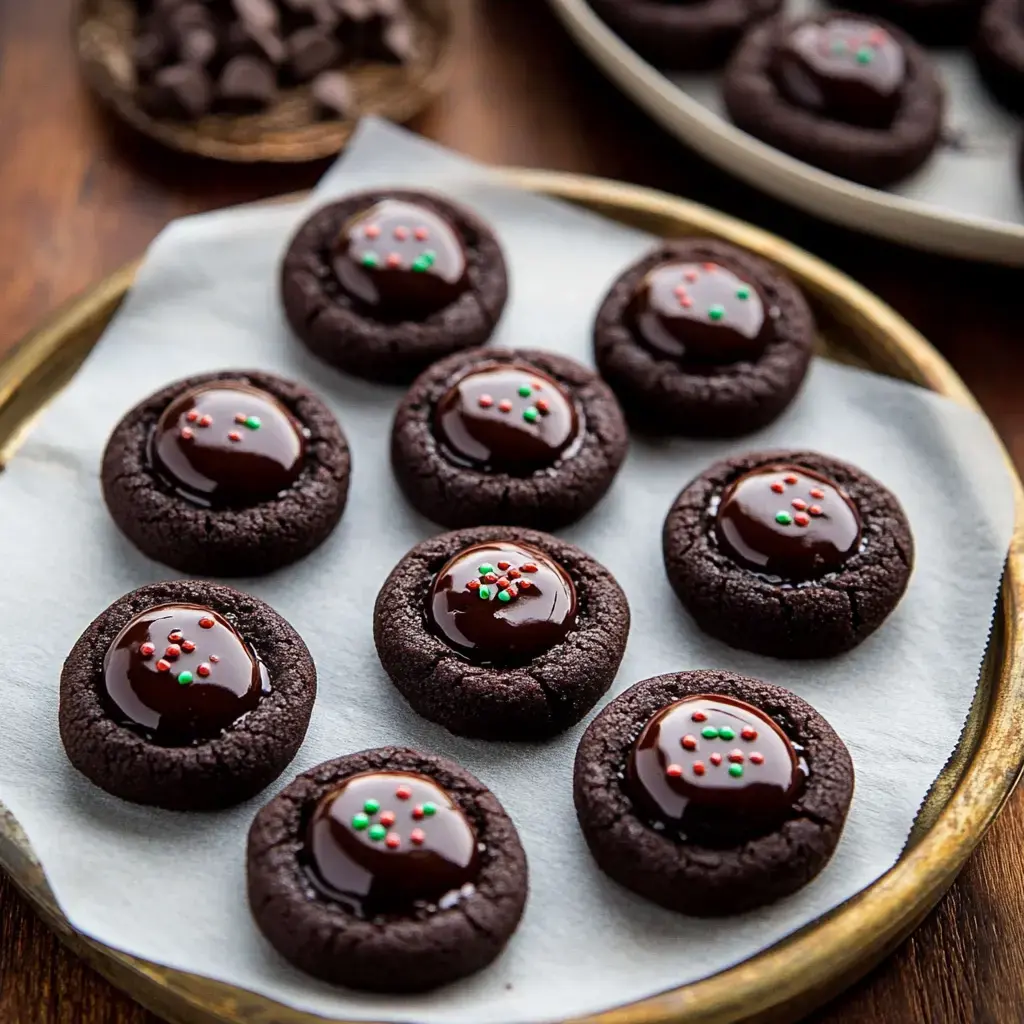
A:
<point x="150" y="51"/>
<point x="310" y="51"/>
<point x="199" y="46"/>
<point x="356" y="10"/>
<point x="244" y="40"/>
<point x="333" y="95"/>
<point x="247" y="85"/>
<point x="259" y="14"/>
<point x="179" y="91"/>
<point x="397" y="41"/>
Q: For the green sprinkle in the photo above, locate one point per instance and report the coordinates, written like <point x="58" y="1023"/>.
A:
<point x="185" y="678"/>
<point x="743" y="293"/>
<point x="485" y="568"/>
<point x="709" y="732"/>
<point x="377" y="833"/>
<point x="783" y="518"/>
<point x="865" y="56"/>
<point x="727" y="733"/>
<point x="370" y="259"/>
<point x="484" y="592"/>
<point x="531" y="415"/>
<point x="360" y="821"/>
<point x="430" y="809"/>
<point x="525" y="391"/>
<point x="430" y="256"/>
<point x="253" y="422"/>
<point x="716" y="312"/>
<point x="420" y="264"/>
<point x="504" y="595"/>
<point x="371" y="806"/>
<point x="735" y="770"/>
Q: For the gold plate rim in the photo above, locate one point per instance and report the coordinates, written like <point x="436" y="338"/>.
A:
<point x="804" y="969"/>
<point x="300" y="144"/>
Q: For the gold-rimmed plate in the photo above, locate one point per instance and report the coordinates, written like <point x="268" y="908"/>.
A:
<point x="290" y="131"/>
<point x="788" y="979"/>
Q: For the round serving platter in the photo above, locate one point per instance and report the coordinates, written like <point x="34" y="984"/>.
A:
<point x="783" y="982"/>
<point x="919" y="215"/>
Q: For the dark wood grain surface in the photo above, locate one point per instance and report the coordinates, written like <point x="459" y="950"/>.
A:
<point x="79" y="196"/>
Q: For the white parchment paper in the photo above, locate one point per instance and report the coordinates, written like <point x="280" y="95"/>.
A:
<point x="170" y="887"/>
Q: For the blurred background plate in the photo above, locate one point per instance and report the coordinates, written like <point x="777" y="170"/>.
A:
<point x="290" y="131"/>
<point x="967" y="201"/>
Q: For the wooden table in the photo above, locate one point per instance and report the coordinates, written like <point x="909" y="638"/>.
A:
<point x="79" y="196"/>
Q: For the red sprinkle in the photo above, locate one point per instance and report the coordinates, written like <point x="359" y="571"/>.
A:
<point x="372" y="231"/>
<point x="710" y="266"/>
<point x="691" y="275"/>
<point x="401" y="233"/>
<point x="485" y="401"/>
<point x="403" y="792"/>
<point x="513" y="574"/>
<point x="188" y="646"/>
<point x="542" y="405"/>
<point x="877" y="37"/>
<point x="815" y="510"/>
<point x="512" y="592"/>
<point x="525" y="584"/>
<point x="234" y="436"/>
<point x="536" y="385"/>
<point x="716" y="759"/>
<point x="214" y="658"/>
<point x="393" y="841"/>
<point x="674" y="771"/>
<point x="801" y="519"/>
<point x="778" y="488"/>
<point x="205" y="421"/>
<point x="394" y="259"/>
<point x="147" y="649"/>
<point x="388" y="818"/>
<point x="698" y="716"/>
<point x="163" y="666"/>
<point x="529" y="567"/>
<point x="503" y="583"/>
<point x="490" y="578"/>
<point x="417" y="836"/>
<point x="793" y="480"/>
<point x="186" y="434"/>
<point x="689" y="742"/>
<point x="173" y="651"/>
<point x="756" y="758"/>
<point x="206" y="623"/>
<point x="473" y="585"/>
<point x="817" y="492"/>
<point x="736" y="756"/>
<point x="417" y="813"/>
<point x="240" y="417"/>
<point x="192" y="416"/>
<point x="203" y="670"/>
<point x="749" y="733"/>
<point x="503" y="565"/>
<point x="175" y="636"/>
<point x="505" y="405"/>
<point x="422" y="234"/>
<point x="799" y="504"/>
<point x="698" y="768"/>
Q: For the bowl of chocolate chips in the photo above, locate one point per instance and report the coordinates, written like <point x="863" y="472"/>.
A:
<point x="263" y="80"/>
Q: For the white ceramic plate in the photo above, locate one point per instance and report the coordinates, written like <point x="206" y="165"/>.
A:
<point x="966" y="201"/>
